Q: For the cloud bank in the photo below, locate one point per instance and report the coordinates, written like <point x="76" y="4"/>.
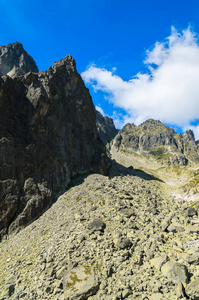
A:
<point x="167" y="91"/>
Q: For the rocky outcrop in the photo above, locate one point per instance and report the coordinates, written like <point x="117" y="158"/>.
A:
<point x="105" y="127"/>
<point x="156" y="140"/>
<point x="15" y="61"/>
<point x="47" y="135"/>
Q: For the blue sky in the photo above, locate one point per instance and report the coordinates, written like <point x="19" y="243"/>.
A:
<point x="113" y="38"/>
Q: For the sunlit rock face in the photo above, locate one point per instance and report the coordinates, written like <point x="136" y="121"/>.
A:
<point x="15" y="61"/>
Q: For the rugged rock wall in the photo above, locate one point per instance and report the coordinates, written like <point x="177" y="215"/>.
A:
<point x="15" y="61"/>
<point x="105" y="127"/>
<point x="161" y="142"/>
<point x="47" y="134"/>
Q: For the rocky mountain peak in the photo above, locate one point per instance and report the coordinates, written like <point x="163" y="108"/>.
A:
<point x="158" y="141"/>
<point x="189" y="135"/>
<point x="47" y="135"/>
<point x="68" y="60"/>
<point x="155" y="125"/>
<point x="15" y="61"/>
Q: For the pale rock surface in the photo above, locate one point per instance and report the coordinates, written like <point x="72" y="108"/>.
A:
<point x="15" y="61"/>
<point x="176" y="272"/>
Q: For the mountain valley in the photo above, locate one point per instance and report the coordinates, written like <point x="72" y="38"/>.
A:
<point x="88" y="211"/>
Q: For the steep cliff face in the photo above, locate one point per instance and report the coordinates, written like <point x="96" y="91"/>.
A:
<point x="47" y="134"/>
<point x="105" y="127"/>
<point x="161" y="142"/>
<point x="15" y="61"/>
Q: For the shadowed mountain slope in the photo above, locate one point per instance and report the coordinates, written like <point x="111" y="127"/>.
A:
<point x="105" y="127"/>
<point x="47" y="135"/>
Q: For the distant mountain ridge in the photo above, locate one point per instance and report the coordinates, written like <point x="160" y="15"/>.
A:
<point x="159" y="141"/>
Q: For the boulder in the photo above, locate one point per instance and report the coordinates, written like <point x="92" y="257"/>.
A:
<point x="190" y="212"/>
<point x="122" y="242"/>
<point x="81" y="283"/>
<point x="157" y="262"/>
<point x="175" y="227"/>
<point x="175" y="272"/>
<point x="96" y="225"/>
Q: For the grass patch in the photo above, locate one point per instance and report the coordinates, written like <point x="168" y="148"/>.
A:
<point x="165" y="155"/>
<point x="158" y="152"/>
<point x="192" y="205"/>
<point x="78" y="199"/>
<point x="196" y="173"/>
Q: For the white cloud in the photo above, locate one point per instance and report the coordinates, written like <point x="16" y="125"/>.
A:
<point x="99" y="109"/>
<point x="168" y="91"/>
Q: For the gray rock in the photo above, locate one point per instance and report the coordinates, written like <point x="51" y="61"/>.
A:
<point x="180" y="291"/>
<point x="157" y="262"/>
<point x="126" y="293"/>
<point x="175" y="227"/>
<point x="8" y="290"/>
<point x="123" y="242"/>
<point x="192" y="244"/>
<point x="175" y="272"/>
<point x="127" y="212"/>
<point x="80" y="283"/>
<point x="96" y="225"/>
<point x="190" y="212"/>
<point x="156" y="296"/>
<point x="165" y="224"/>
<point x="191" y="229"/>
<point x="193" y="258"/>
<point x="192" y="290"/>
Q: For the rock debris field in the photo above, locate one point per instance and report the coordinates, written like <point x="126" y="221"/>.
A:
<point x="108" y="237"/>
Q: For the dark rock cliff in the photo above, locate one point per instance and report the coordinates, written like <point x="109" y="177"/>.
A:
<point x="159" y="141"/>
<point x="105" y="127"/>
<point x="47" y="135"/>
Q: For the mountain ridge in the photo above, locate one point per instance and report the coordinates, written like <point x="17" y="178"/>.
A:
<point x="47" y="135"/>
<point x="161" y="142"/>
